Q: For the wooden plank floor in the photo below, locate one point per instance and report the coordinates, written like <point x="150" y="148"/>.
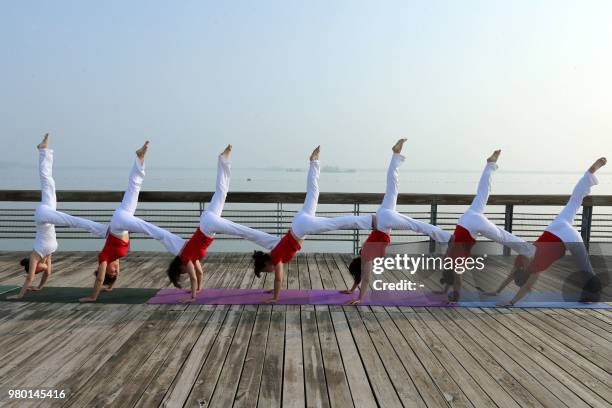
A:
<point x="295" y="356"/>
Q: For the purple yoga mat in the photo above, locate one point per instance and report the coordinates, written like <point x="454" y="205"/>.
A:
<point x="216" y="296"/>
<point x="298" y="297"/>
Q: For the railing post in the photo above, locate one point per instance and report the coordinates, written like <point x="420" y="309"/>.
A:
<point x="355" y="232"/>
<point x="433" y="220"/>
<point x="508" y="218"/>
<point x="279" y="212"/>
<point x="585" y="225"/>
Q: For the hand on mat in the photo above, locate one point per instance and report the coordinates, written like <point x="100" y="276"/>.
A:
<point x="107" y="289"/>
<point x="269" y="291"/>
<point x="354" y="302"/>
<point x="188" y="299"/>
<point x="271" y="300"/>
<point x="34" y="288"/>
<point x="346" y="291"/>
<point x="438" y="292"/>
<point x="87" y="299"/>
<point x="14" y="297"/>
<point x="505" y="303"/>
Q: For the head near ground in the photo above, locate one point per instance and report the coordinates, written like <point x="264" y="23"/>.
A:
<point x="25" y="262"/>
<point x="41" y="265"/>
<point x="262" y="262"/>
<point x="521" y="274"/>
<point x="112" y="272"/>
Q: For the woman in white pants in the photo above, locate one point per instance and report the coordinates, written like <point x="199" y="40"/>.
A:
<point x="187" y="260"/>
<point x="47" y="217"/>
<point x="559" y="236"/>
<point x="387" y="219"/>
<point x="474" y="223"/>
<point x="304" y="223"/>
<point x="123" y="222"/>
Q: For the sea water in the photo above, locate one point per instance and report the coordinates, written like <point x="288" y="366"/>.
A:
<point x="159" y="178"/>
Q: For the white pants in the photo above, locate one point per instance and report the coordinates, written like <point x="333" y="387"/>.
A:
<point x="388" y="219"/>
<point x="477" y="224"/>
<point x="306" y="222"/>
<point x="47" y="216"/>
<point x="562" y="225"/>
<point x="212" y="223"/>
<point x="123" y="219"/>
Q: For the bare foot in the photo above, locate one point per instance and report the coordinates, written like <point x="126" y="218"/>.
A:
<point x="599" y="163"/>
<point x="493" y="158"/>
<point x="315" y="153"/>
<point x="397" y="147"/>
<point x="143" y="150"/>
<point x="45" y="142"/>
<point x="228" y="150"/>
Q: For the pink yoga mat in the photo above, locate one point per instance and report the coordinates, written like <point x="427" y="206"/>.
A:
<point x="230" y="296"/>
<point x="298" y="297"/>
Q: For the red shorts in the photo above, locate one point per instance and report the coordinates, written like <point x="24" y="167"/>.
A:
<point x="375" y="246"/>
<point x="286" y="249"/>
<point x="549" y="249"/>
<point x="195" y="248"/>
<point x="461" y="244"/>
<point x="114" y="248"/>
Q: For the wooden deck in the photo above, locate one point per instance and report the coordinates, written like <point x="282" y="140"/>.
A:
<point x="293" y="356"/>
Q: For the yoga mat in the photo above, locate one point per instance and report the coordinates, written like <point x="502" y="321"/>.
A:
<point x="9" y="288"/>
<point x="53" y="294"/>
<point x="373" y="298"/>
<point x="214" y="296"/>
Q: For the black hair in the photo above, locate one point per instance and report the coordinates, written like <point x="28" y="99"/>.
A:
<point x="108" y="280"/>
<point x="174" y="271"/>
<point x="591" y="292"/>
<point x="260" y="259"/>
<point x="520" y="276"/>
<point x="25" y="262"/>
<point x="448" y="277"/>
<point x="355" y="269"/>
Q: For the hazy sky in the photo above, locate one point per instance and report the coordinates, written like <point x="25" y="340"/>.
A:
<point x="275" y="78"/>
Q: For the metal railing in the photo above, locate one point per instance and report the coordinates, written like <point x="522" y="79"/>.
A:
<point x="272" y="212"/>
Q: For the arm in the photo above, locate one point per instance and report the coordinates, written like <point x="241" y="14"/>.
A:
<point x="457" y="284"/>
<point x="191" y="271"/>
<point x="28" y="281"/>
<point x="278" y="282"/>
<point x="200" y="274"/>
<point x="98" y="284"/>
<point x="523" y="291"/>
<point x="45" y="276"/>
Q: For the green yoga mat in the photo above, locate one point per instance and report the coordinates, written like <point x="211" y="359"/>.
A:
<point x="52" y="294"/>
<point x="9" y="288"/>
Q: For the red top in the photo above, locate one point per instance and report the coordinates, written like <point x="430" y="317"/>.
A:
<point x="195" y="248"/>
<point x="375" y="246"/>
<point x="114" y="248"/>
<point x="549" y="248"/>
<point x="286" y="249"/>
<point x="462" y="243"/>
